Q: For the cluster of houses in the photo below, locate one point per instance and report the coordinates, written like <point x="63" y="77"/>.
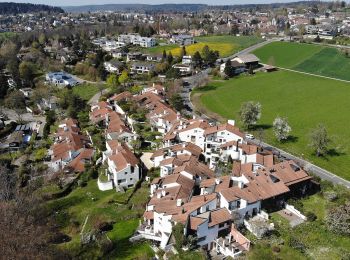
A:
<point x="191" y="189"/>
<point x="123" y="168"/>
<point x="123" y="40"/>
<point x="71" y="149"/>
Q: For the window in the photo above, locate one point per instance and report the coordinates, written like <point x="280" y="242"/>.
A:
<point x="207" y="208"/>
<point x="131" y="179"/>
<point x="132" y="168"/>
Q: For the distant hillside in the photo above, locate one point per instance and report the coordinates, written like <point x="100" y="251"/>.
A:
<point x="174" y="7"/>
<point x="136" y="7"/>
<point x="18" y="8"/>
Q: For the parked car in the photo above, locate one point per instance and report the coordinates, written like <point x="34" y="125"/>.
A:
<point x="249" y="136"/>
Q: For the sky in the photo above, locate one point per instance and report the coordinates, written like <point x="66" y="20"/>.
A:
<point x="98" y="2"/>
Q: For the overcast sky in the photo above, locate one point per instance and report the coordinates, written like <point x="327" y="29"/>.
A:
<point x="89" y="2"/>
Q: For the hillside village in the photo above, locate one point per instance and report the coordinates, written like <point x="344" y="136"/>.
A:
<point x="106" y="138"/>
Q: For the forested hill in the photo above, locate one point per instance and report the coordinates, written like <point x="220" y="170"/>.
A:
<point x="18" y="8"/>
<point x="137" y="8"/>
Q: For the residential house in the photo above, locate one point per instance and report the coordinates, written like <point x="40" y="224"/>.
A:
<point x="71" y="149"/>
<point x="182" y="39"/>
<point x="61" y="79"/>
<point x="114" y="66"/>
<point x="249" y="60"/>
<point x="185" y="69"/>
<point x="142" y="68"/>
<point x="124" y="169"/>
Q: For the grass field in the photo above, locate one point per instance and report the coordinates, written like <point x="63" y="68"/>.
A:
<point x="72" y="210"/>
<point x="6" y="35"/>
<point x="86" y="91"/>
<point x="315" y="59"/>
<point x="305" y="100"/>
<point x="226" y="45"/>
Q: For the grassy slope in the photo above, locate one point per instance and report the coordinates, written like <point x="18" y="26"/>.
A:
<point x="305" y="100"/>
<point x="286" y="55"/>
<point x="99" y="206"/>
<point x="226" y="45"/>
<point x="316" y="59"/>
<point x="85" y="91"/>
<point x="6" y="35"/>
<point x="329" y="62"/>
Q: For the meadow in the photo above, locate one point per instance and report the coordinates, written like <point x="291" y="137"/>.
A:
<point x="6" y="35"/>
<point x="226" y="45"/>
<point x="315" y="59"/>
<point x="90" y="203"/>
<point x="86" y="90"/>
<point x="305" y="100"/>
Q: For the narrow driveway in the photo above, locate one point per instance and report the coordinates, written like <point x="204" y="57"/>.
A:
<point x="96" y="97"/>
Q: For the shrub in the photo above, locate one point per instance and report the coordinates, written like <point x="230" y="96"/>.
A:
<point x="310" y="216"/>
<point x="178" y="231"/>
<point x="297" y="244"/>
<point x="276" y="249"/>
<point x="338" y="219"/>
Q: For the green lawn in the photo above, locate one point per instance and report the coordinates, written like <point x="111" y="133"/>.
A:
<point x="72" y="210"/>
<point x="315" y="59"/>
<point x="328" y="62"/>
<point x="86" y="91"/>
<point x="305" y="100"/>
<point x="285" y="54"/>
<point x="6" y="35"/>
<point x="226" y="45"/>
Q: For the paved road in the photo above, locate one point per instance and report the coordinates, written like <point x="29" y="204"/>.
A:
<point x="322" y="173"/>
<point x="96" y="97"/>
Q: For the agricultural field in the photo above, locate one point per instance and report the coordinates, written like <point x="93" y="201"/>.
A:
<point x="89" y="204"/>
<point x="310" y="58"/>
<point x="305" y="100"/>
<point x="226" y="45"/>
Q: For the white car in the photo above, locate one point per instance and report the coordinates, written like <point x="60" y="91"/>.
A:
<point x="249" y="136"/>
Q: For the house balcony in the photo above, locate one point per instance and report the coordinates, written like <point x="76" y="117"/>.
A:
<point x="147" y="232"/>
<point x="228" y="248"/>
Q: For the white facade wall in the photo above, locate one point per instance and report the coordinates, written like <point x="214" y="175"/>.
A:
<point x="162" y="225"/>
<point x="195" y="136"/>
<point x="126" y="177"/>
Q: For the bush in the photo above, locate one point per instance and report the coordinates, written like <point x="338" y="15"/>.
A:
<point x="296" y="203"/>
<point x="338" y="219"/>
<point x="297" y="244"/>
<point x="310" y="216"/>
<point x="178" y="231"/>
<point x="276" y="249"/>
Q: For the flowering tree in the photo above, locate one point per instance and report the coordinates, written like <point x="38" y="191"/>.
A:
<point x="281" y="128"/>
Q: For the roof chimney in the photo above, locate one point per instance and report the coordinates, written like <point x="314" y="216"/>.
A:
<point x="163" y="193"/>
<point x="217" y="181"/>
<point x="178" y="202"/>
